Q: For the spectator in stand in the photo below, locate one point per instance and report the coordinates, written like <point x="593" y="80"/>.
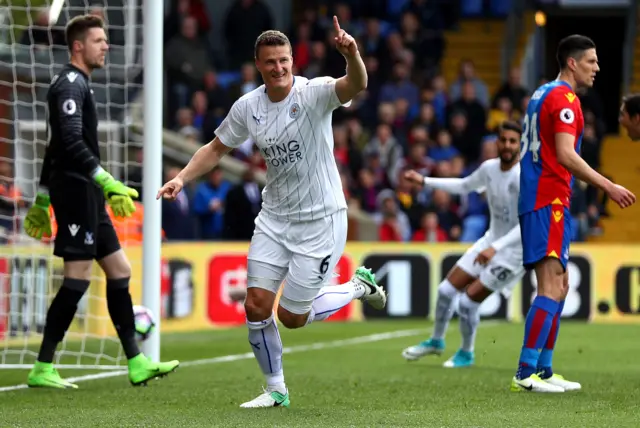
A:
<point x="512" y="89"/>
<point x="244" y="22"/>
<point x="443" y="150"/>
<point x="177" y="218"/>
<point x="387" y="148"/>
<point x="447" y="217"/>
<point x="41" y="35"/>
<point x="366" y="192"/>
<point x="242" y="205"/>
<point x="209" y="204"/>
<point x="468" y="74"/>
<point x="393" y="224"/>
<point x="203" y="119"/>
<point x="430" y="230"/>
<point x="181" y="9"/>
<point x="248" y="81"/>
<point x="217" y="98"/>
<point x="187" y="60"/>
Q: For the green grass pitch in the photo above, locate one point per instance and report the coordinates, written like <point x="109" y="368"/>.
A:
<point x="346" y="382"/>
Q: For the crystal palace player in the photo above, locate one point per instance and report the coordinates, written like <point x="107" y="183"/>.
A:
<point x="550" y="159"/>
<point x="301" y="230"/>
<point x="494" y="263"/>
<point x="77" y="187"/>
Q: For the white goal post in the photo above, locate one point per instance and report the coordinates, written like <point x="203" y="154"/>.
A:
<point x="29" y="274"/>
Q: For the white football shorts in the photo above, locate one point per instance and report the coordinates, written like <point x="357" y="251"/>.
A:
<point x="503" y="272"/>
<point x="302" y="254"/>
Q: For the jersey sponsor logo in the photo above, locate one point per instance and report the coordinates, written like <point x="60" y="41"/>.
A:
<point x="294" y="111"/>
<point x="69" y="107"/>
<point x="405" y="277"/>
<point x="570" y="97"/>
<point x="281" y="154"/>
<point x="567" y="116"/>
<point x="578" y="302"/>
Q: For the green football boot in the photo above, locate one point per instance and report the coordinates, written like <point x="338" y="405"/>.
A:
<point x="374" y="295"/>
<point x="142" y="370"/>
<point x="44" y="375"/>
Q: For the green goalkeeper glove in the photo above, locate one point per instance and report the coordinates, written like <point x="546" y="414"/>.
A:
<point x="37" y="223"/>
<point x="118" y="196"/>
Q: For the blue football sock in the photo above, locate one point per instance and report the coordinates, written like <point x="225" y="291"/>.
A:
<point x="546" y="356"/>
<point x="536" y="332"/>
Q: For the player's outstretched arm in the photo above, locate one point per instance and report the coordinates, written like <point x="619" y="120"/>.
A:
<point x="569" y="158"/>
<point x="203" y="161"/>
<point x="355" y="81"/>
<point x="457" y="186"/>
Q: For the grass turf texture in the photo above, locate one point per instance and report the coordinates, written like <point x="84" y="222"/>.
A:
<point x="363" y="384"/>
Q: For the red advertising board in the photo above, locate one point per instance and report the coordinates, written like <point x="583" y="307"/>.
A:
<point x="229" y="271"/>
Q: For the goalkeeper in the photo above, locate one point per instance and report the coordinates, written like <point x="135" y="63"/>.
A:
<point x="77" y="187"/>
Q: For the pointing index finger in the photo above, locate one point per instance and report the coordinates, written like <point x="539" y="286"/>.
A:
<point x="336" y="25"/>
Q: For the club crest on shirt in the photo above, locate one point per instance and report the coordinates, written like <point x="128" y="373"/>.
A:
<point x="294" y="111"/>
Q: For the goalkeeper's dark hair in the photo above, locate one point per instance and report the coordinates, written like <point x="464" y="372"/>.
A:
<point x="271" y="38"/>
<point x="573" y="47"/>
<point x="631" y="104"/>
<point x="76" y="30"/>
<point x="510" y="125"/>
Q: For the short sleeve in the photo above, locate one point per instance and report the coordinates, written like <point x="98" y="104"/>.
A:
<point x="322" y="93"/>
<point x="563" y="107"/>
<point x="233" y="130"/>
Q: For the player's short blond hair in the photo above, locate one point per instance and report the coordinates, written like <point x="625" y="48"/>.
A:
<point x="271" y="38"/>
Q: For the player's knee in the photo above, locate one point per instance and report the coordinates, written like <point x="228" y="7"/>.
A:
<point x="116" y="265"/>
<point x="550" y="276"/>
<point x="291" y="320"/>
<point x="78" y="269"/>
<point x="446" y="288"/>
<point x="476" y="292"/>
<point x="258" y="304"/>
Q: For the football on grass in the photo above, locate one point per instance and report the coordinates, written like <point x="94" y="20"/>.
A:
<point x="144" y="322"/>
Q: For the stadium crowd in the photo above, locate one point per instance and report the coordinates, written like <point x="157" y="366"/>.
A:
<point x="408" y="118"/>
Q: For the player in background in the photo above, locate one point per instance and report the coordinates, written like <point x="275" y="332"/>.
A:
<point x="74" y="183"/>
<point x="493" y="263"/>
<point x="550" y="159"/>
<point x="301" y="230"/>
<point x="630" y="115"/>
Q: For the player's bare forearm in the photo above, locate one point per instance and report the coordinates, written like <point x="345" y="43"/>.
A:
<point x="204" y="160"/>
<point x="581" y="170"/>
<point x="355" y="81"/>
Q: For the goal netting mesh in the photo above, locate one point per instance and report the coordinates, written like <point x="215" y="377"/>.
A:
<point x="32" y="50"/>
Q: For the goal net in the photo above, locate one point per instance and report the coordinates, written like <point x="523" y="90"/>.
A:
<point x="31" y="51"/>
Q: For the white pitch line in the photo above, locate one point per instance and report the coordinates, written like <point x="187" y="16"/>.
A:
<point x="249" y="355"/>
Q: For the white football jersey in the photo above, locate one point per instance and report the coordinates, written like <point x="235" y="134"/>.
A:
<point x="501" y="189"/>
<point x="295" y="138"/>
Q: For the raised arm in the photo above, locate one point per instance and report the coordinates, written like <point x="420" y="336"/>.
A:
<point x="355" y="81"/>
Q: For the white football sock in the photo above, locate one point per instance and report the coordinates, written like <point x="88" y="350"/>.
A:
<point x="469" y="321"/>
<point x="331" y="299"/>
<point x="265" y="342"/>
<point x="447" y="295"/>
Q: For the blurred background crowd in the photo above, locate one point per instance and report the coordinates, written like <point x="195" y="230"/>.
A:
<point x="410" y="116"/>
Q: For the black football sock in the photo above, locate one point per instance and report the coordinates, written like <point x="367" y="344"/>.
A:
<point x="60" y="315"/>
<point x="120" y="308"/>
